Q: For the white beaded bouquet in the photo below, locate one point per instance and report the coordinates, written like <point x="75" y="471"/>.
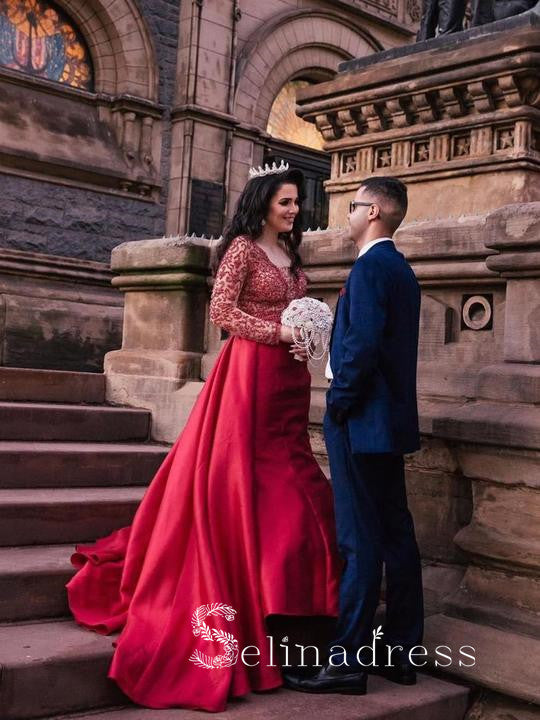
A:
<point x="311" y="322"/>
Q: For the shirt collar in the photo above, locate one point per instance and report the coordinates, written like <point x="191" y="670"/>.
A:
<point x="370" y="244"/>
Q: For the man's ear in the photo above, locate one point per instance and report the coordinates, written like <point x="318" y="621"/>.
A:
<point x="374" y="212"/>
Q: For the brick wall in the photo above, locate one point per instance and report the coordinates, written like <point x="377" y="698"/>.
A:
<point x="51" y="218"/>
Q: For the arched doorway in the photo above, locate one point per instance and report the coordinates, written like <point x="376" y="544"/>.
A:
<point x="301" y="145"/>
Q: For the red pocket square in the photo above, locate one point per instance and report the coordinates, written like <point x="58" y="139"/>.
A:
<point x="342" y="292"/>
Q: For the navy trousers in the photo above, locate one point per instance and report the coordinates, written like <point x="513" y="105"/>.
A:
<point x="374" y="527"/>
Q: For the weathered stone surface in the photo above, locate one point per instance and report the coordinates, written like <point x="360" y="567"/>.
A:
<point x="511" y="229"/>
<point x="58" y="334"/>
<point x="441" y="505"/>
<point x="114" y="217"/>
<point x="76" y="222"/>
<point x="57" y="515"/>
<point x="510" y="424"/>
<point x="59" y="667"/>
<point x="63" y="421"/>
<point x="78" y="659"/>
<point x="434" y="455"/>
<point x="507" y="600"/>
<point x="32" y="582"/>
<point x="430" y="698"/>
<point x="501" y="465"/>
<point x="440" y="581"/>
<point x="493" y="706"/>
<point x="165" y="283"/>
<point x="27" y="463"/>
<point x="51" y="386"/>
<point x="504" y="526"/>
<point x="522" y="329"/>
<point x="444" y="42"/>
<point x="56" y="313"/>
<point x="165" y="322"/>
<point x="169" y="401"/>
<point x="438" y="125"/>
<point x="511" y="382"/>
<point x="505" y="661"/>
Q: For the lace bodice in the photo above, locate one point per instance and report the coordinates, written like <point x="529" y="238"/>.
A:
<point x="250" y="292"/>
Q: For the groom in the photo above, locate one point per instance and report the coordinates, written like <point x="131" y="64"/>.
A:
<point x="371" y="421"/>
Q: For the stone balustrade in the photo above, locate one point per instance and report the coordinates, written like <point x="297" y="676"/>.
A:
<point x="165" y="284"/>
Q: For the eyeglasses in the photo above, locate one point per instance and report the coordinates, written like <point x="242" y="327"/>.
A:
<point x="355" y="203"/>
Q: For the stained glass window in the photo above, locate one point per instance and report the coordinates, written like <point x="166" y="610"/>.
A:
<point x="39" y="39"/>
<point x="285" y="124"/>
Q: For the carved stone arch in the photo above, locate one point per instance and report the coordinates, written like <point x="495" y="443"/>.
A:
<point x="120" y="44"/>
<point x="311" y="63"/>
<point x="294" y="43"/>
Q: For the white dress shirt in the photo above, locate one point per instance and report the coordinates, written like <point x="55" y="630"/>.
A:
<point x="328" y="370"/>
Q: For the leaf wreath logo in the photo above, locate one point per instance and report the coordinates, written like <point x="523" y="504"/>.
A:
<point x="229" y="642"/>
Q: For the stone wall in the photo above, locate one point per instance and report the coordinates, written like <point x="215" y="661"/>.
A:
<point x="45" y="217"/>
<point x="234" y="57"/>
<point x="179" y="113"/>
<point x="63" y="219"/>
<point x="57" y="313"/>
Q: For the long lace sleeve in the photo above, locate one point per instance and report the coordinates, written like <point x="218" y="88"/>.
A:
<point x="224" y="310"/>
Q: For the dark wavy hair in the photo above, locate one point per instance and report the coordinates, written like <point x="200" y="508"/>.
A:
<point x="252" y="208"/>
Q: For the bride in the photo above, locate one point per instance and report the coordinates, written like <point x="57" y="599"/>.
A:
<point x="237" y="524"/>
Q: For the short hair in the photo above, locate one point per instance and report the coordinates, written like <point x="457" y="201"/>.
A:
<point x="392" y="190"/>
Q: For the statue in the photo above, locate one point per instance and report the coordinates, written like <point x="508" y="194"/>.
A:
<point x="442" y="17"/>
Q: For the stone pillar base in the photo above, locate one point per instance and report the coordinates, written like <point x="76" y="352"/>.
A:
<point x="170" y="401"/>
<point x="506" y="661"/>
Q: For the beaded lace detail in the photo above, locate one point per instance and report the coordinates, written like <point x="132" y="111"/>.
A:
<point x="250" y="292"/>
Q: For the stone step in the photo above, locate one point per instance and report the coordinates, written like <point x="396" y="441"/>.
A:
<point x="55" y="421"/>
<point x="32" y="581"/>
<point x="57" y="515"/>
<point x="25" y="464"/>
<point x="57" y="667"/>
<point x="430" y="699"/>
<point x="54" y="667"/>
<point x="22" y="384"/>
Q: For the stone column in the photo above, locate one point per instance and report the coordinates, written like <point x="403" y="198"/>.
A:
<point x="201" y="119"/>
<point x="165" y="282"/>
<point x="514" y="232"/>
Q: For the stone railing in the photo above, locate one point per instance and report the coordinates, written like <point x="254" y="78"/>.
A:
<point x="165" y="283"/>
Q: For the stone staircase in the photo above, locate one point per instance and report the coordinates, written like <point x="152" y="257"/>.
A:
<point x="72" y="469"/>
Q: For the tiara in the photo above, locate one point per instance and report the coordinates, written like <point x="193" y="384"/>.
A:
<point x="268" y="170"/>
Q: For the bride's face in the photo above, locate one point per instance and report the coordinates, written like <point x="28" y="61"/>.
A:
<point x="284" y="207"/>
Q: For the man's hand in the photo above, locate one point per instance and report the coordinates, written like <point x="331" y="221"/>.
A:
<point x="300" y="353"/>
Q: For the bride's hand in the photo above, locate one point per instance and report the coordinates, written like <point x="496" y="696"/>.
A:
<point x="286" y="334"/>
<point x="299" y="353"/>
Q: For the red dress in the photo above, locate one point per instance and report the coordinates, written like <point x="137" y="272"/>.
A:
<point x="239" y="514"/>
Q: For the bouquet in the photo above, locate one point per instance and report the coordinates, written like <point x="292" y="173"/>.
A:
<point x="311" y="322"/>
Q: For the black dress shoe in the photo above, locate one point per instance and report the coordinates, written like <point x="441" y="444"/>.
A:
<point x="401" y="673"/>
<point x="329" y="679"/>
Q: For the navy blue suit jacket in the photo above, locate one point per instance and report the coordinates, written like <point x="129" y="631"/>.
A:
<point x="373" y="353"/>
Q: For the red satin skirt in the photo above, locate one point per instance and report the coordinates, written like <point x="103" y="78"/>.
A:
<point x="239" y="513"/>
